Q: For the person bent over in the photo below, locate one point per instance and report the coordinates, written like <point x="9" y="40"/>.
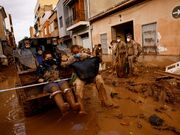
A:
<point x="49" y="71"/>
<point x="79" y="83"/>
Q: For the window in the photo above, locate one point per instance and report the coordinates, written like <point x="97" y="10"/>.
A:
<point x="61" y="22"/>
<point x="149" y="41"/>
<point x="103" y="38"/>
<point x="51" y="27"/>
<point x="74" y="13"/>
<point x="45" y="31"/>
<point x="43" y="15"/>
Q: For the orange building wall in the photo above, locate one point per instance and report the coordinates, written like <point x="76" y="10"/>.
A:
<point x="159" y="11"/>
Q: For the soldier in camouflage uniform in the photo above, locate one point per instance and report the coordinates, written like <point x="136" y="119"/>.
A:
<point x="49" y="71"/>
<point x="133" y="52"/>
<point x="120" y="57"/>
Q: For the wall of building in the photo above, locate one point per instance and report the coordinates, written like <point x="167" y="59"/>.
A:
<point x="53" y="21"/>
<point x="62" y="12"/>
<point x="45" y="2"/>
<point x="97" y="6"/>
<point x="145" y="13"/>
<point x="2" y="27"/>
<point x="32" y="32"/>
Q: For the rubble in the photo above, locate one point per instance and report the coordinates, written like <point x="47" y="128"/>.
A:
<point x="156" y="120"/>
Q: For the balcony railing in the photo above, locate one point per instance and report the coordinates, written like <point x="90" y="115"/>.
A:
<point x="80" y="15"/>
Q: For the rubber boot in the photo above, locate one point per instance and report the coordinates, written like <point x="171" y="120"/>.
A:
<point x="71" y="100"/>
<point x="82" y="109"/>
<point x="60" y="103"/>
<point x="105" y="100"/>
<point x="58" y="98"/>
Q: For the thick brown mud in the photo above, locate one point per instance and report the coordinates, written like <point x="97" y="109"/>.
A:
<point x="130" y="117"/>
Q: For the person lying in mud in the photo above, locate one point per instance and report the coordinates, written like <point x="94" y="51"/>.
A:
<point x="48" y="71"/>
<point x="79" y="83"/>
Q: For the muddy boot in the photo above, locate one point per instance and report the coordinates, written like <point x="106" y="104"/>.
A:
<point x="57" y="96"/>
<point x="82" y="109"/>
<point x="104" y="98"/>
<point x="71" y="100"/>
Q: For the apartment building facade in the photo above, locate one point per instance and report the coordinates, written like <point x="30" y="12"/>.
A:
<point x="43" y="11"/>
<point x="53" y="24"/>
<point x="3" y="16"/>
<point x="7" y="40"/>
<point x="73" y="21"/>
<point x="153" y="23"/>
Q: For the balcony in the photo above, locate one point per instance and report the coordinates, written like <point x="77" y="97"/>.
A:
<point x="76" y="20"/>
<point x="69" y="2"/>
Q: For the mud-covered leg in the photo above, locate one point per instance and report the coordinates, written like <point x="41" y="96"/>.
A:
<point x="58" y="97"/>
<point x="69" y="96"/>
<point x="103" y="95"/>
<point x="71" y="100"/>
<point x="131" y="66"/>
<point x="79" y="86"/>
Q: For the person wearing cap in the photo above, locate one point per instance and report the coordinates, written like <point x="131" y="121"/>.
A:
<point x="133" y="52"/>
<point x="120" y="57"/>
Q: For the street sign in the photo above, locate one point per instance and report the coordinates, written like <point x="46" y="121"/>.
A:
<point x="176" y="12"/>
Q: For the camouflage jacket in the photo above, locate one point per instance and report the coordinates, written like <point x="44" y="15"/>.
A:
<point x="120" y="50"/>
<point x="133" y="48"/>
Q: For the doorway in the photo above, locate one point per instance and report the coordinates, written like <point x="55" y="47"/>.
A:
<point x="122" y="30"/>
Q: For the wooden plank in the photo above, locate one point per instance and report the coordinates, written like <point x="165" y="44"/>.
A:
<point x="168" y="74"/>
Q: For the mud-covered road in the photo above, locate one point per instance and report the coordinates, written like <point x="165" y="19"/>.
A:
<point x="137" y="98"/>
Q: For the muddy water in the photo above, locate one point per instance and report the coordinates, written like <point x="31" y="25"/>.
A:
<point x="129" y="118"/>
<point x="11" y="115"/>
<point x="50" y="122"/>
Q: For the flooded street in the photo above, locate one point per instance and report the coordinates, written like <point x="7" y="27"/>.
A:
<point x="11" y="114"/>
<point x="51" y="51"/>
<point x="130" y="117"/>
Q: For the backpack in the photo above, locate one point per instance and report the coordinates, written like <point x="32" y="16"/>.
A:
<point x="87" y="69"/>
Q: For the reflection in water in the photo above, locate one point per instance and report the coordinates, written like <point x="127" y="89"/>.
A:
<point x="11" y="114"/>
<point x="77" y="127"/>
<point x="19" y="129"/>
<point x="109" y="133"/>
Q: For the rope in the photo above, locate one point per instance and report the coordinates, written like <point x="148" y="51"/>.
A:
<point x="32" y="85"/>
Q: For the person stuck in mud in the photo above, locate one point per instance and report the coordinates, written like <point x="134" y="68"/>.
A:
<point x="49" y="71"/>
<point x="79" y="83"/>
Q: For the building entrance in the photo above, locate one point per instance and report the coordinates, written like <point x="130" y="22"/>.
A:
<point x="122" y="30"/>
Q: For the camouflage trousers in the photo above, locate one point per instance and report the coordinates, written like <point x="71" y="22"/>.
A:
<point x="131" y="61"/>
<point x="120" y="67"/>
